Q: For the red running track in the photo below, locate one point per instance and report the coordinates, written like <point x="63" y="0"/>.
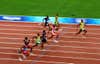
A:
<point x="70" y="48"/>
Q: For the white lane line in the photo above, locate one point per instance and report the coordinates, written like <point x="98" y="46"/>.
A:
<point x="61" y="37"/>
<point x="68" y="28"/>
<point x="10" y="53"/>
<point x="48" y="40"/>
<point x="60" y="40"/>
<point x="29" y="29"/>
<point x="56" y="56"/>
<point x="5" y="59"/>
<point x="58" y="51"/>
<point x="17" y="34"/>
<point x="35" y="33"/>
<point x="16" y="43"/>
<point x="76" y="47"/>
<point x="41" y="26"/>
<point x="56" y="45"/>
<point x="41" y="31"/>
<point x="22" y="37"/>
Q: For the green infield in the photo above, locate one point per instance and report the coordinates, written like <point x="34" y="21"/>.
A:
<point x="65" y="8"/>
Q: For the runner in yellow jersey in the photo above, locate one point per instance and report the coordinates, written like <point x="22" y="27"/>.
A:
<point x="56" y="22"/>
<point x="37" y="40"/>
<point x="82" y="28"/>
<point x="40" y="40"/>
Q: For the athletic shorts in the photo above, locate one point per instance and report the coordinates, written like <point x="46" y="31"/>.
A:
<point x="25" y="52"/>
<point x="82" y="29"/>
<point x="46" y="24"/>
<point x="56" y="23"/>
<point x="44" y="40"/>
<point x="38" y="42"/>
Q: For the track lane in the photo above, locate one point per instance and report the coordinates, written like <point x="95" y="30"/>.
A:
<point x="59" y="59"/>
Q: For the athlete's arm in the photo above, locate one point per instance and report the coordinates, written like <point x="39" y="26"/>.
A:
<point x="43" y="20"/>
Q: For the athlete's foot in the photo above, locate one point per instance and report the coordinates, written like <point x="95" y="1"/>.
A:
<point x="55" y="41"/>
<point x="24" y="57"/>
<point x="31" y="53"/>
<point x="20" y="59"/>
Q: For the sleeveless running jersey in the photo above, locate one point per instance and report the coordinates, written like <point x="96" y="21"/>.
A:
<point x="56" y="20"/>
<point x="38" y="40"/>
<point x="82" y="25"/>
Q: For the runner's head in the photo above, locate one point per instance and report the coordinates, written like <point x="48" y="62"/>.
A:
<point x="81" y="20"/>
<point x="44" y="31"/>
<point x="26" y="38"/>
<point x="38" y="34"/>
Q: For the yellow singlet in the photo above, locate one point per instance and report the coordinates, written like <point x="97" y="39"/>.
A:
<point x="56" y="20"/>
<point x="38" y="40"/>
<point x="82" y="25"/>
